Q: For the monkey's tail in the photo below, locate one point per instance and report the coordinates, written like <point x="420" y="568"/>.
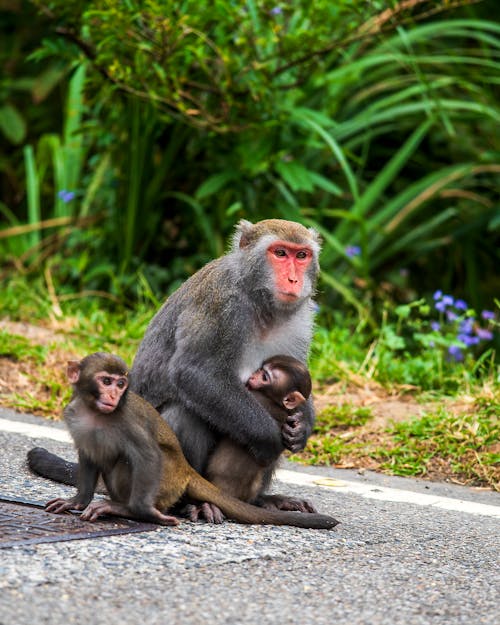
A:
<point x="53" y="467"/>
<point x="203" y="490"/>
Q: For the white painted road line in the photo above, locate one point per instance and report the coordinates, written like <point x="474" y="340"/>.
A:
<point x="382" y="493"/>
<point x="370" y="491"/>
<point x="34" y="431"/>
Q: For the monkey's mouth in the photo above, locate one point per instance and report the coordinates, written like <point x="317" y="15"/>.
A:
<point x="105" y="406"/>
<point x="287" y="296"/>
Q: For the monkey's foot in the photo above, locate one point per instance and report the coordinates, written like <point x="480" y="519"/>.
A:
<point x="103" y="507"/>
<point x="204" y="512"/>
<point x="280" y="502"/>
<point x="62" y="505"/>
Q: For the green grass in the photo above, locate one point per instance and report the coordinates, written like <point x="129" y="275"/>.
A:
<point x="467" y="441"/>
<point x="17" y="348"/>
<point x="447" y="441"/>
<point x="342" y="417"/>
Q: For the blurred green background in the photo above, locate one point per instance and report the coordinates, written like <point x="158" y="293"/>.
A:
<point x="134" y="135"/>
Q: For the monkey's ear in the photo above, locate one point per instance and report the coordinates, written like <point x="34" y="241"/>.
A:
<point x="241" y="237"/>
<point x="73" y="371"/>
<point x="293" y="399"/>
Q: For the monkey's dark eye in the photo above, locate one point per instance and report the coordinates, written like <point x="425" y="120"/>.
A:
<point x="280" y="253"/>
<point x="106" y="381"/>
<point x="121" y="384"/>
<point x="302" y="254"/>
<point x="265" y="376"/>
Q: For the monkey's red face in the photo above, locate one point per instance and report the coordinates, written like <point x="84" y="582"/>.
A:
<point x="267" y="376"/>
<point x="111" y="388"/>
<point x="289" y="263"/>
<point x="260" y="379"/>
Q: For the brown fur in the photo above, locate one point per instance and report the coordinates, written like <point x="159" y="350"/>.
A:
<point x="134" y="444"/>
<point x="231" y="467"/>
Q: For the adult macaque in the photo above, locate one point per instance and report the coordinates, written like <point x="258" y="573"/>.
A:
<point x="217" y="329"/>
<point x="282" y="385"/>
<point x="213" y="332"/>
<point x="122" y="437"/>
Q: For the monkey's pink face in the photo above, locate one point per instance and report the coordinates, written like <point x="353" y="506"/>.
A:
<point x="111" y="388"/>
<point x="289" y="263"/>
<point x="263" y="377"/>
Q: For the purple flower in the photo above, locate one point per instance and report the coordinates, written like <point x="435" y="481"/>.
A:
<point x="66" y="196"/>
<point x="438" y="295"/>
<point x="484" y="335"/>
<point x="467" y="325"/>
<point x="460" y="304"/>
<point x="353" y="250"/>
<point x="435" y="326"/>
<point x="468" y="340"/>
<point x="444" y="301"/>
<point x="488" y="314"/>
<point x="455" y="352"/>
<point x="451" y="316"/>
<point x="276" y="11"/>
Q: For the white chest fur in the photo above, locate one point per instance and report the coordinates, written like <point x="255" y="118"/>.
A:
<point x="292" y="337"/>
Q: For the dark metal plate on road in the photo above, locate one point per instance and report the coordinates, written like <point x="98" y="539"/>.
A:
<point x="24" y="522"/>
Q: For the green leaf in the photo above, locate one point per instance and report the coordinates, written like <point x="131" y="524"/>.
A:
<point x="12" y="124"/>
<point x="33" y="191"/>
<point x="46" y="81"/>
<point x="391" y="169"/>
<point x="295" y="175"/>
<point x="324" y="183"/>
<point x="214" y="183"/>
<point x="301" y="116"/>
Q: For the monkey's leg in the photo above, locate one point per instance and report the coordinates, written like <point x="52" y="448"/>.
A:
<point x="234" y="471"/>
<point x="100" y="508"/>
<point x="279" y="502"/>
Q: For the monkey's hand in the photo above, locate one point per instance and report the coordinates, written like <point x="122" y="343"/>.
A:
<point x="62" y="505"/>
<point x="294" y="432"/>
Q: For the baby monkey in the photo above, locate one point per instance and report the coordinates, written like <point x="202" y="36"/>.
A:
<point x="115" y="437"/>
<point x="281" y="386"/>
<point x="122" y="437"/>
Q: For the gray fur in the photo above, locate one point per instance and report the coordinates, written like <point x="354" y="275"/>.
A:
<point x="213" y="331"/>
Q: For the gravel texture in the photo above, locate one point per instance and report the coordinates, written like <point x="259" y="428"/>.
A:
<point x="387" y="563"/>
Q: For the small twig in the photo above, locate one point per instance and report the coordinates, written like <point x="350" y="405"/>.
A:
<point x="52" y="292"/>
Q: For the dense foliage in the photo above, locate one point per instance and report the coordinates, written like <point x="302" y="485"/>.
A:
<point x="138" y="133"/>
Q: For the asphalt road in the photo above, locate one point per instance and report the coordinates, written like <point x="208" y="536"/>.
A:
<point x="407" y="552"/>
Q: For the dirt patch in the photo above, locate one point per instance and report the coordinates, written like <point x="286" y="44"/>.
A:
<point x="386" y="407"/>
<point x="35" y="383"/>
<point x="12" y="380"/>
<point x="38" y="335"/>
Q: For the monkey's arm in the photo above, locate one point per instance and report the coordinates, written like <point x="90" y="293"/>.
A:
<point x="222" y="401"/>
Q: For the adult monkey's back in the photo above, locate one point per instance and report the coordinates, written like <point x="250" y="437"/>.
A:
<point x="217" y="329"/>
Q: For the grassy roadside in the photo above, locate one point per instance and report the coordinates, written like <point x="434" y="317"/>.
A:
<point x="444" y="428"/>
